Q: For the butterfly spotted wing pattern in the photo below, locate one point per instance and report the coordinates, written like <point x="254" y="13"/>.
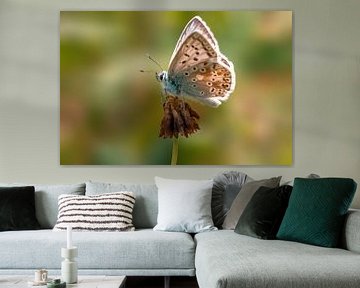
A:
<point x="197" y="67"/>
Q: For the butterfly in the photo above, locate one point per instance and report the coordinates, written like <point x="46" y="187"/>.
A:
<point x="197" y="69"/>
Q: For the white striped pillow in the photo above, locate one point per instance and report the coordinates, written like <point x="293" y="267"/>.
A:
<point x="105" y="212"/>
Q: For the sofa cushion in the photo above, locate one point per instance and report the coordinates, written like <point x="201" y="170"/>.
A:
<point x="263" y="214"/>
<point x="17" y="208"/>
<point x="225" y="259"/>
<point x="105" y="212"/>
<point x="46" y="200"/>
<point x="184" y="205"/>
<point x="243" y="198"/>
<point x="138" y="250"/>
<point x="225" y="189"/>
<point x="316" y="211"/>
<point x="146" y="205"/>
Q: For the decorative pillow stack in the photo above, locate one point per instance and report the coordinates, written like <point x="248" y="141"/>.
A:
<point x="311" y="212"/>
<point x="105" y="212"/>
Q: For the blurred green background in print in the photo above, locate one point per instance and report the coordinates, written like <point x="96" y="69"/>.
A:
<point x="111" y="113"/>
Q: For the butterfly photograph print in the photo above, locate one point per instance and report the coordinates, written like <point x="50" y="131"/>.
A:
<point x="197" y="68"/>
<point x="225" y="95"/>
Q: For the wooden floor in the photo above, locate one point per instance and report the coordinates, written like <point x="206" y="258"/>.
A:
<point x="158" y="282"/>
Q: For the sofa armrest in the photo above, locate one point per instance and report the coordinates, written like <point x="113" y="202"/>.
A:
<point x="351" y="233"/>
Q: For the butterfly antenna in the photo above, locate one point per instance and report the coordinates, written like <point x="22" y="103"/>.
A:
<point x="153" y="60"/>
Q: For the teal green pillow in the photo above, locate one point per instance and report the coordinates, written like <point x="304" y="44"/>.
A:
<point x="316" y="211"/>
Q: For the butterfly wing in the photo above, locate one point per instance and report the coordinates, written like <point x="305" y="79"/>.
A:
<point x="198" y="69"/>
<point x="196" y="24"/>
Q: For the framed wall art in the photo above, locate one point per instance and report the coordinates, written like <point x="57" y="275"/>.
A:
<point x="176" y="87"/>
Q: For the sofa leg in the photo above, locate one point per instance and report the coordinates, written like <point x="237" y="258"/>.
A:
<point x="167" y="282"/>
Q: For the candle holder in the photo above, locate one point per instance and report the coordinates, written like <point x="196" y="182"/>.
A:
<point x="69" y="265"/>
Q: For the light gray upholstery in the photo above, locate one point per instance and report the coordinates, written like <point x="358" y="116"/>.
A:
<point x="226" y="259"/>
<point x="223" y="259"/>
<point x="143" y="250"/>
<point x="46" y="200"/>
<point x="351" y="233"/>
<point x="146" y="204"/>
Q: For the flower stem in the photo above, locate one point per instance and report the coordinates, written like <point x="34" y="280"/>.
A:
<point x="175" y="150"/>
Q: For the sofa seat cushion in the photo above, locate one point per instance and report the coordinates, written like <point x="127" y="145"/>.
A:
<point x="141" y="249"/>
<point x="226" y="259"/>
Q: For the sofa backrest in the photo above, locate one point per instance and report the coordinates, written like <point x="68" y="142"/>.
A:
<point x="146" y="203"/>
<point x="351" y="237"/>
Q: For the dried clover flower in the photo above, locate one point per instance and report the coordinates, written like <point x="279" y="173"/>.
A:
<point x="179" y="118"/>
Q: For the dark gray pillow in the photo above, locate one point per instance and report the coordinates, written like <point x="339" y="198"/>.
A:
<point x="17" y="209"/>
<point x="225" y="189"/>
<point x="263" y="214"/>
<point x="243" y="198"/>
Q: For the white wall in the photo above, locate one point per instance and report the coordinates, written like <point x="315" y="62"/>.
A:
<point x="326" y="91"/>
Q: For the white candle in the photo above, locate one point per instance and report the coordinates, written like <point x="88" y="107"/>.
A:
<point x="69" y="239"/>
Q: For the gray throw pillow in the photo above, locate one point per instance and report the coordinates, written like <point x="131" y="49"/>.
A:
<point x="243" y="198"/>
<point x="226" y="187"/>
<point x="184" y="205"/>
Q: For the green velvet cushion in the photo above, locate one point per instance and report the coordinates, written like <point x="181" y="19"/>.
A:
<point x="17" y="208"/>
<point x="316" y="211"/>
<point x="263" y="215"/>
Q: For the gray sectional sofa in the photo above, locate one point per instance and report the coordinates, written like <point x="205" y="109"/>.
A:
<point x="218" y="258"/>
